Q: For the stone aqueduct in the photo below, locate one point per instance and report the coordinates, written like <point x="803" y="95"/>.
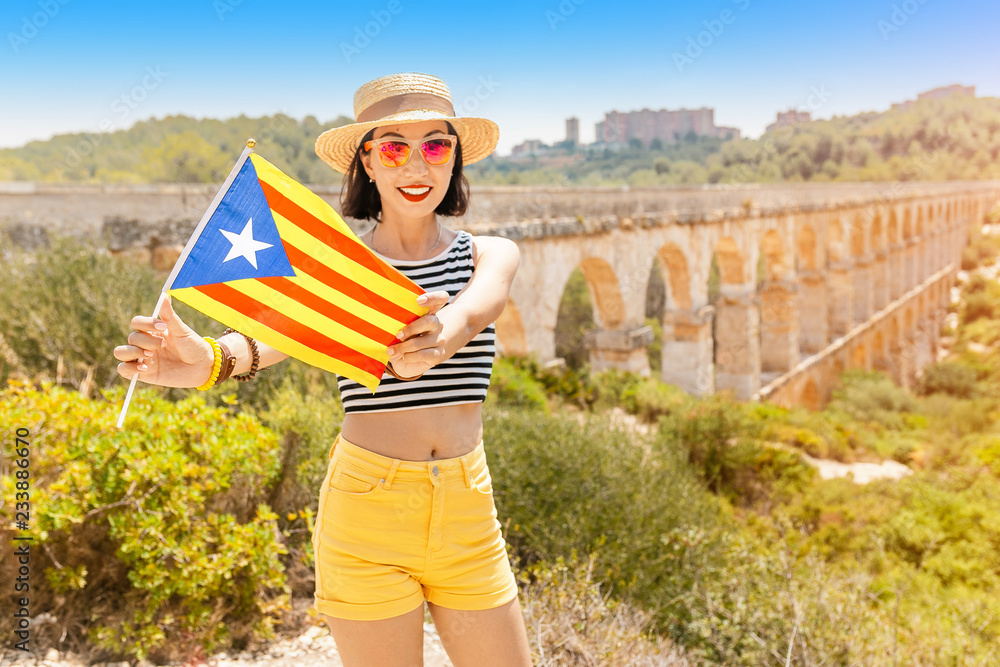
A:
<point x="856" y="282"/>
<point x="814" y="279"/>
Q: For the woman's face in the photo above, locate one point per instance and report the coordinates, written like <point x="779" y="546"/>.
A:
<point x="404" y="190"/>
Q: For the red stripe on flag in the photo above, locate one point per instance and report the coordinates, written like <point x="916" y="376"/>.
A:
<point x="273" y="319"/>
<point x="333" y="311"/>
<point x="337" y="240"/>
<point x="323" y="273"/>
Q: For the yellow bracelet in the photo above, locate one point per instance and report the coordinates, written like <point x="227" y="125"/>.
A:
<point x="216" y="367"/>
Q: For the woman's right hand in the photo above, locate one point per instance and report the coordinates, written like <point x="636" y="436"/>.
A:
<point x="171" y="356"/>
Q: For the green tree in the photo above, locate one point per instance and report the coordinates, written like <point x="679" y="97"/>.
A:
<point x="186" y="158"/>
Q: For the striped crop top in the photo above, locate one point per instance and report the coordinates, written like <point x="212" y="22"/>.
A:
<point x="463" y="377"/>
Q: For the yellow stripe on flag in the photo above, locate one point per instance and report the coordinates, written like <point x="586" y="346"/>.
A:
<point x="272" y="338"/>
<point x="377" y="318"/>
<point x="347" y="267"/>
<point x="300" y="194"/>
<point x="316" y="320"/>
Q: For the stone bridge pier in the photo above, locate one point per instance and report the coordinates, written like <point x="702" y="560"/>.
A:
<point x="847" y="277"/>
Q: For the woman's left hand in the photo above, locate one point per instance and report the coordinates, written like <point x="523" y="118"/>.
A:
<point x="422" y="341"/>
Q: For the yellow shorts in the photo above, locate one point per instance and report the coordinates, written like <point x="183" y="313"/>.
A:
<point x="391" y="533"/>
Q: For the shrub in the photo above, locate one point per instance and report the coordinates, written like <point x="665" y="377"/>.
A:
<point x="74" y="302"/>
<point x="572" y="622"/>
<point x="798" y="437"/>
<point x="970" y="258"/>
<point x="612" y="388"/>
<point x="870" y="396"/>
<point x="981" y="251"/>
<point x="655" y="349"/>
<point x="942" y="531"/>
<point x="570" y="385"/>
<point x="574" y="319"/>
<point x="978" y="283"/>
<point x="710" y="432"/>
<point x="948" y="377"/>
<point x="645" y="397"/>
<point x="772" y="608"/>
<point x="988" y="452"/>
<point x="650" y="400"/>
<point x="723" y="443"/>
<point x="513" y="385"/>
<point x="985" y="332"/>
<point x="307" y="419"/>
<point x="154" y="537"/>
<point x="562" y="486"/>
<point x="978" y="305"/>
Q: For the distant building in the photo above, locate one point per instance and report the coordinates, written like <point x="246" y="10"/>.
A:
<point x="669" y="127"/>
<point x="529" y="147"/>
<point x="789" y="118"/>
<point x="947" y="91"/>
<point x="939" y="94"/>
<point x="573" y="130"/>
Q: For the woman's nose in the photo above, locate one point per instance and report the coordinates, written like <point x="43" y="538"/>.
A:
<point x="416" y="164"/>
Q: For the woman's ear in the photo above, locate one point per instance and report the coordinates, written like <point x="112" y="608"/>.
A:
<point x="366" y="165"/>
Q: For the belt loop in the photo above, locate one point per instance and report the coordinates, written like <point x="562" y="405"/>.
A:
<point x="468" y="472"/>
<point x="333" y="447"/>
<point x="389" y="476"/>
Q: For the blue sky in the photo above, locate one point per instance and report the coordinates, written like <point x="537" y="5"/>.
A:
<point x="79" y="65"/>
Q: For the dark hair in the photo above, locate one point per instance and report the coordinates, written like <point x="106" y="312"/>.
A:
<point x="362" y="201"/>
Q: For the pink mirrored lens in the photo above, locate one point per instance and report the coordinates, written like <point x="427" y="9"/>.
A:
<point x="437" y="151"/>
<point x="394" y="153"/>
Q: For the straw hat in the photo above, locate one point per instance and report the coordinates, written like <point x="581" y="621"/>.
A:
<point x="399" y="99"/>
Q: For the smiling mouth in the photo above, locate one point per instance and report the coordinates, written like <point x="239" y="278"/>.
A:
<point x="415" y="193"/>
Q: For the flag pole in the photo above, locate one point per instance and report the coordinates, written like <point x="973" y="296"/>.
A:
<point x="184" y="255"/>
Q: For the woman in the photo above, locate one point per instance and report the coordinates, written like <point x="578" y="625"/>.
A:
<point x="406" y="513"/>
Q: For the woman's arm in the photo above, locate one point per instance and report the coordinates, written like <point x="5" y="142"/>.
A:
<point x="240" y="347"/>
<point x="484" y="297"/>
<point x="443" y="332"/>
<point x="167" y="352"/>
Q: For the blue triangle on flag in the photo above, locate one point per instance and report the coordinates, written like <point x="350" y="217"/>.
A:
<point x="239" y="234"/>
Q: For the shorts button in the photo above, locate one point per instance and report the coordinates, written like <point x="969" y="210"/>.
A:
<point x="434" y="470"/>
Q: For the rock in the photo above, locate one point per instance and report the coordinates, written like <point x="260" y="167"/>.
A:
<point x="861" y="472"/>
<point x="165" y="256"/>
<point x="139" y="255"/>
<point x="27" y="236"/>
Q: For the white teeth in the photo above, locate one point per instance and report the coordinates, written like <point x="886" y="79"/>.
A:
<point x="415" y="191"/>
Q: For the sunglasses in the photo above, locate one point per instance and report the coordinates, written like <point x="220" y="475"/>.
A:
<point x="395" y="152"/>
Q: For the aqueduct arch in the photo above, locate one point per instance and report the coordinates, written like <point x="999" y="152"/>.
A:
<point x="511" y="338"/>
<point x="605" y="292"/>
<point x="839" y="286"/>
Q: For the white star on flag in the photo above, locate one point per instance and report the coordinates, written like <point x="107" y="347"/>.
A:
<point x="244" y="244"/>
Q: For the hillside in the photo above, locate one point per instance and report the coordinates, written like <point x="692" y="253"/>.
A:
<point x="952" y="139"/>
<point x="174" y="149"/>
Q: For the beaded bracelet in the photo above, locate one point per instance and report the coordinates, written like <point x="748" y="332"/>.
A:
<point x="216" y="366"/>
<point x="253" y="350"/>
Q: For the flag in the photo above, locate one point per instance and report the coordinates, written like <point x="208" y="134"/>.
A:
<point x="276" y="262"/>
